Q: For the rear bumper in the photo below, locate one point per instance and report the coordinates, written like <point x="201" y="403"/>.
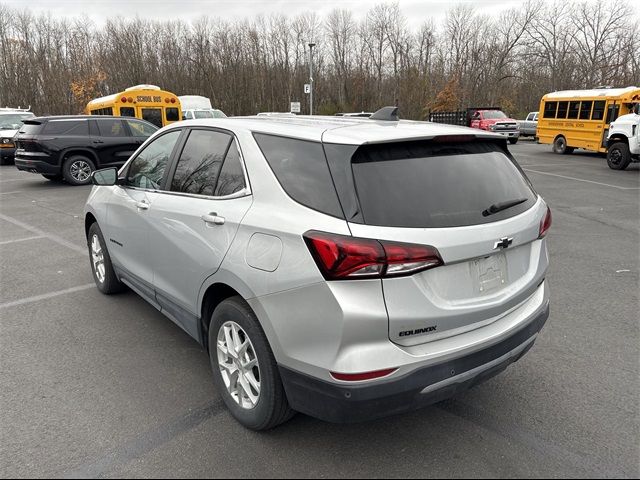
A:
<point x="341" y="403"/>
<point x="36" y="166"/>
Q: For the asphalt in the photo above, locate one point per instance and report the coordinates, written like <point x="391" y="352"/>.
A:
<point x="97" y="386"/>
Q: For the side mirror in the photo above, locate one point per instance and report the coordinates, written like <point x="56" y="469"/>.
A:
<point x="105" y="177"/>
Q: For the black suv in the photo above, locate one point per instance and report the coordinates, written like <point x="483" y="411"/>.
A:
<point x="71" y="147"/>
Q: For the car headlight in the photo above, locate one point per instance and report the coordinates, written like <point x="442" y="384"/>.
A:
<point x="492" y="127"/>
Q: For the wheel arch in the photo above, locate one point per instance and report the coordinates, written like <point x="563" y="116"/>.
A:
<point x="69" y="152"/>
<point x="89" y="219"/>
<point x="618" y="137"/>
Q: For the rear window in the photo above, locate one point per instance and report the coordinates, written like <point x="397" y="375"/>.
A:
<point x="301" y="168"/>
<point x="431" y="185"/>
<point x="66" y="127"/>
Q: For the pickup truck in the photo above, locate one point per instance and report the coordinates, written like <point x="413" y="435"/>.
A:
<point x="623" y="141"/>
<point x="484" y="118"/>
<point x="528" y="127"/>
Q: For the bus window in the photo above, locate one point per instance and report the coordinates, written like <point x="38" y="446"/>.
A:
<point x="574" y="109"/>
<point x="562" y="109"/>
<point x="585" y="110"/>
<point x="152" y="115"/>
<point x="550" y="109"/>
<point x="173" y="114"/>
<point x="127" y="112"/>
<point x="612" y="113"/>
<point x="598" y="110"/>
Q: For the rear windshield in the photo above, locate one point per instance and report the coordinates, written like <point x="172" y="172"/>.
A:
<point x="435" y="185"/>
<point x="30" y="128"/>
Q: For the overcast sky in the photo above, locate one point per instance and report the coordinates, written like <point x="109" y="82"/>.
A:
<point x="415" y="10"/>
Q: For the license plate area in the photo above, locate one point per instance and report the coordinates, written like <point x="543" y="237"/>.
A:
<point x="489" y="273"/>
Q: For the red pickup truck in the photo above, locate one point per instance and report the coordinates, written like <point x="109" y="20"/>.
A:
<point x="485" y="118"/>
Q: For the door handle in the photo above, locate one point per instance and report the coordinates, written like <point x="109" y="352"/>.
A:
<point x="142" y="205"/>
<point x="212" y="219"/>
<point x="98" y="141"/>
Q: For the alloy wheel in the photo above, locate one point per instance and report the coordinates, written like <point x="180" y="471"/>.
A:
<point x="97" y="257"/>
<point x="238" y="365"/>
<point x="80" y="170"/>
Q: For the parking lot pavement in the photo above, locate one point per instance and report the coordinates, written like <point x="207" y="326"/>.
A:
<point x="108" y="387"/>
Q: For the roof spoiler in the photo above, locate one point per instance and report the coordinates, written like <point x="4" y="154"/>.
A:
<point x="389" y="114"/>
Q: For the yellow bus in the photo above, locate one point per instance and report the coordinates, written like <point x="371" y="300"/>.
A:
<point x="581" y="118"/>
<point x="147" y="102"/>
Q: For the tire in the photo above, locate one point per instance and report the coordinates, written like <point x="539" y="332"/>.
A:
<point x="77" y="170"/>
<point x="105" y="278"/>
<point x="618" y="156"/>
<point x="53" y="178"/>
<point x="513" y="141"/>
<point x="560" y="146"/>
<point x="269" y="408"/>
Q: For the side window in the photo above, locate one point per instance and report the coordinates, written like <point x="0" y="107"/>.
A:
<point x="147" y="169"/>
<point x="111" y="128"/>
<point x="187" y="115"/>
<point x="574" y="109"/>
<point x="302" y="170"/>
<point x="550" y="109"/>
<point x="563" y="107"/>
<point x="231" y="178"/>
<point x="66" y="127"/>
<point x="535" y="117"/>
<point x="585" y="110"/>
<point x="141" y="129"/>
<point x="200" y="162"/>
<point x="530" y="117"/>
<point x="598" y="110"/>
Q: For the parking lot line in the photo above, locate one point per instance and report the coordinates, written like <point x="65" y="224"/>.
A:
<point x="581" y="180"/>
<point x="42" y="233"/>
<point x="9" y="193"/>
<point x="6" y="242"/>
<point x="45" y="296"/>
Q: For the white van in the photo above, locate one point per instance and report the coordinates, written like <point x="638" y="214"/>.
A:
<point x="198" y="107"/>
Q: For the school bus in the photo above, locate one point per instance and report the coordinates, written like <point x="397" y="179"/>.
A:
<point x="147" y="102"/>
<point x="581" y="118"/>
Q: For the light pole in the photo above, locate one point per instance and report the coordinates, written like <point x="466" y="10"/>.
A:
<point x="311" y="45"/>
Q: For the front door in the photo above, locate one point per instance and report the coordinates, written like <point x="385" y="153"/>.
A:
<point x="128" y="216"/>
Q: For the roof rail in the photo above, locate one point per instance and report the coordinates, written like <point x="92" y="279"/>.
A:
<point x="389" y="114"/>
<point x="9" y="109"/>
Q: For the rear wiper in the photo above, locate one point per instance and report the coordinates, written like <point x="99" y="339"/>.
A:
<point x="498" y="207"/>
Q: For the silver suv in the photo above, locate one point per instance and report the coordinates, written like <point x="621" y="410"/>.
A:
<point x="344" y="268"/>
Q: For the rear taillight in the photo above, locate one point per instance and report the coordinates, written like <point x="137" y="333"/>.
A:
<point x="341" y="257"/>
<point x="545" y="224"/>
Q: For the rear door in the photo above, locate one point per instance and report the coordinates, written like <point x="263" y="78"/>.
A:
<point x="441" y="194"/>
<point x="194" y="223"/>
<point x="152" y="115"/>
<point x="112" y="141"/>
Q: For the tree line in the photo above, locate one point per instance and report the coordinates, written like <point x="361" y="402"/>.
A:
<point x="261" y="63"/>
